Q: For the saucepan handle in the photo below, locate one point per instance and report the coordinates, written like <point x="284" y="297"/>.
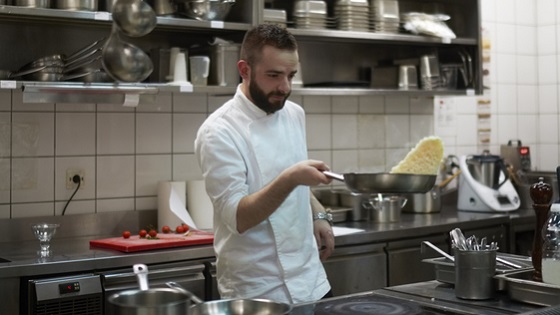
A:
<point x="336" y="176"/>
<point x="141" y="272"/>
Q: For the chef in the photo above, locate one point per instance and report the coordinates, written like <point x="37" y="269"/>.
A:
<point x="270" y="232"/>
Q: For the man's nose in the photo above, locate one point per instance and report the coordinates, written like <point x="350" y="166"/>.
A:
<point x="285" y="85"/>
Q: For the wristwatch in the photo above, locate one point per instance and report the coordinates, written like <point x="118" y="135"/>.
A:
<point x="323" y="216"/>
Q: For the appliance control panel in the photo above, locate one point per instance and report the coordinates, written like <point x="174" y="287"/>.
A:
<point x="69" y="287"/>
<point x="518" y="156"/>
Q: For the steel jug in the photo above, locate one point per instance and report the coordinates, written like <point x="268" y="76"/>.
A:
<point x="486" y="169"/>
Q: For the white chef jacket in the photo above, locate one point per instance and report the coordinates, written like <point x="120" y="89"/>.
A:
<point x="240" y="150"/>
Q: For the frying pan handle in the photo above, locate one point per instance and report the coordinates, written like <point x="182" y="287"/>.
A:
<point x="334" y="175"/>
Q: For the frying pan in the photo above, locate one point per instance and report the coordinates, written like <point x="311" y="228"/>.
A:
<point x="233" y="306"/>
<point x="385" y="183"/>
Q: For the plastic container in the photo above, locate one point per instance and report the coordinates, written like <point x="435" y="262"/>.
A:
<point x="551" y="247"/>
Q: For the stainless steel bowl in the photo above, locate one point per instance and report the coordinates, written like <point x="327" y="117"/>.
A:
<point x="205" y="10"/>
<point x="73" y="5"/>
<point x="32" y="3"/>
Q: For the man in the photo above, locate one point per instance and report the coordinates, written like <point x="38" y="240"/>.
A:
<point x="253" y="155"/>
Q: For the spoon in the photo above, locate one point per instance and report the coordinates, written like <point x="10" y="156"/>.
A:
<point x="458" y="238"/>
<point x="134" y="18"/>
<point x="125" y="62"/>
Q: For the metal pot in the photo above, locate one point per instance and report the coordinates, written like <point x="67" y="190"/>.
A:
<point x="386" y="208"/>
<point x="429" y="202"/>
<point x="356" y="203"/>
<point x="160" y="301"/>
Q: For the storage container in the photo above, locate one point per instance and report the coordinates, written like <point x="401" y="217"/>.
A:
<point x="223" y="64"/>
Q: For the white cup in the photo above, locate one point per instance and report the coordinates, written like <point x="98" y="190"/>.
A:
<point x="200" y="68"/>
<point x="180" y="68"/>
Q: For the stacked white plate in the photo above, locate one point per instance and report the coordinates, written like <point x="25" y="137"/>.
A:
<point x="384" y="16"/>
<point x="352" y="15"/>
<point x="310" y="14"/>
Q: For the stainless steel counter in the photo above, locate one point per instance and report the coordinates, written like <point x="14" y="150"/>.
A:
<point x="72" y="253"/>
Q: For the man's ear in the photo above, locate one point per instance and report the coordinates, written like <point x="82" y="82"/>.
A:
<point x="244" y="69"/>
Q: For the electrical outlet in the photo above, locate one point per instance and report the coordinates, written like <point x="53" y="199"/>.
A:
<point x="70" y="174"/>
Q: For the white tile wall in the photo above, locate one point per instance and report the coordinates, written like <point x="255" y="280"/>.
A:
<point x="125" y="151"/>
<point x="115" y="133"/>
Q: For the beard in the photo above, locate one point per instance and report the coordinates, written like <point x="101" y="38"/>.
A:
<point x="261" y="99"/>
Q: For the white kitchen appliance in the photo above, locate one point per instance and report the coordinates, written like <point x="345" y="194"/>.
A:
<point x="484" y="185"/>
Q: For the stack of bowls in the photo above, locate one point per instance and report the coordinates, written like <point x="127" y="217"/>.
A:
<point x="352" y="15"/>
<point x="275" y="16"/>
<point x="310" y="14"/>
<point x="384" y="16"/>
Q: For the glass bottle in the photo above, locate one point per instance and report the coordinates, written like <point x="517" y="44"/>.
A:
<point x="551" y="246"/>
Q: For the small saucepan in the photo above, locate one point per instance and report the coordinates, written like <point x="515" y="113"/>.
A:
<point x="385" y="183"/>
<point x="168" y="301"/>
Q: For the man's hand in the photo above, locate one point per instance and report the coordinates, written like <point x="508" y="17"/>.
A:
<point x="324" y="237"/>
<point x="309" y="173"/>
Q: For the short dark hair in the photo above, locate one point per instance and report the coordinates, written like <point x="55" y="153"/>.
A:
<point x="265" y="35"/>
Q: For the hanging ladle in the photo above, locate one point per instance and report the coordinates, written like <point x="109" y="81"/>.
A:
<point x="134" y="18"/>
<point x="124" y="61"/>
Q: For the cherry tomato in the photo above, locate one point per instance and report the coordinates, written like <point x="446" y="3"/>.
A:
<point x="126" y="234"/>
<point x="179" y="229"/>
<point x="166" y="229"/>
<point x="153" y="233"/>
<point x="143" y="233"/>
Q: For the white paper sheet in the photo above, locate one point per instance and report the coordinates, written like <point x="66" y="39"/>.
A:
<point x="171" y="205"/>
<point x="338" y="231"/>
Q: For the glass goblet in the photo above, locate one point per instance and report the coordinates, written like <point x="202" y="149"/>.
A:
<point x="44" y="233"/>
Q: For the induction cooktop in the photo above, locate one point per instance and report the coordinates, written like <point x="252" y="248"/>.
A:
<point x="388" y="302"/>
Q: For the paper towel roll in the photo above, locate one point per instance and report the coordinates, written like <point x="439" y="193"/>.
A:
<point x="200" y="205"/>
<point x="171" y="205"/>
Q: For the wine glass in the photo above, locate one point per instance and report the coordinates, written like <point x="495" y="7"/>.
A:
<point x="44" y="233"/>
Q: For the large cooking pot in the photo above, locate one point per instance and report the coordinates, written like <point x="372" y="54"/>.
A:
<point x="385" y="183"/>
<point x="146" y="301"/>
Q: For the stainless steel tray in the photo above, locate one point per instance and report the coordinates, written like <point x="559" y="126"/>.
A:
<point x="521" y="287"/>
<point x="445" y="268"/>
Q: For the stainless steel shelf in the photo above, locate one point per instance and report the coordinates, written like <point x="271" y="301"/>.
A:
<point x="132" y="94"/>
<point x="127" y="94"/>
<point x="365" y="91"/>
<point x="100" y="17"/>
<point x="330" y="34"/>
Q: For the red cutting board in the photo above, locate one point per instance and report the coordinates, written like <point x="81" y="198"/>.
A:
<point x="136" y="244"/>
